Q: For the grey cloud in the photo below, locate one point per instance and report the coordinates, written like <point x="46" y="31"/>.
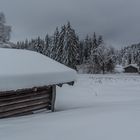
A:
<point x="117" y="20"/>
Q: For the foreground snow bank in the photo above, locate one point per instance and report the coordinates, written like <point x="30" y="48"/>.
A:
<point x="98" y="107"/>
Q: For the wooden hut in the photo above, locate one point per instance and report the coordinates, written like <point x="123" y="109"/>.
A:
<point x="131" y="68"/>
<point x="28" y="82"/>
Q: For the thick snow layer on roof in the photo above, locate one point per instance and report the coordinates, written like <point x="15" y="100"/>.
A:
<point x="26" y="69"/>
<point x="133" y="65"/>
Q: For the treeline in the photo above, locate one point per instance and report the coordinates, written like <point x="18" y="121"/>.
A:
<point x="65" y="47"/>
<point x="91" y="54"/>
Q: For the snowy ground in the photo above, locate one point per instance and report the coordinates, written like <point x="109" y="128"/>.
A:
<point x="98" y="107"/>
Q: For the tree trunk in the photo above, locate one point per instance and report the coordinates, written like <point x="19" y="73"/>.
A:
<point x="103" y="68"/>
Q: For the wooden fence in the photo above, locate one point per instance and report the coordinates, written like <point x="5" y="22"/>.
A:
<point x="26" y="101"/>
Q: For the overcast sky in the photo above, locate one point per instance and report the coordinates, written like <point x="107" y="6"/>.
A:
<point x="117" y="20"/>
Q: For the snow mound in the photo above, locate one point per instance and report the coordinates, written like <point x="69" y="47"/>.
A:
<point x="119" y="69"/>
<point x="26" y="69"/>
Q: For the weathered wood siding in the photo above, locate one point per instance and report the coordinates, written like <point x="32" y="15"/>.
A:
<point x="21" y="102"/>
<point x="131" y="69"/>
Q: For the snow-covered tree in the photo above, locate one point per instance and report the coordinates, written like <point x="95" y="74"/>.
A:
<point x="105" y="58"/>
<point x="68" y="46"/>
<point x="55" y="43"/>
<point x="48" y="46"/>
<point x="4" y="30"/>
<point x="87" y="44"/>
<point x="92" y="43"/>
<point x="39" y="45"/>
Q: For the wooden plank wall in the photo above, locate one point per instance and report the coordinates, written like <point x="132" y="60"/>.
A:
<point x="22" y="102"/>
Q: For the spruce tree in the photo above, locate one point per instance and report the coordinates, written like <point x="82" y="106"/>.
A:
<point x="59" y="52"/>
<point x="4" y="30"/>
<point x="68" y="46"/>
<point x="72" y="46"/>
<point x="48" y="46"/>
<point x="87" y="49"/>
<point x="55" y="41"/>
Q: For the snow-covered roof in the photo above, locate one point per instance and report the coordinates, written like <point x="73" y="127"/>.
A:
<point x="25" y="69"/>
<point x="132" y="65"/>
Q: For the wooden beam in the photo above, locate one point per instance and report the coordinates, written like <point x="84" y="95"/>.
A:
<point x="24" y="91"/>
<point x="23" y="96"/>
<point x="53" y="98"/>
<point x="23" y="101"/>
<point x="27" y="110"/>
<point x="23" y="105"/>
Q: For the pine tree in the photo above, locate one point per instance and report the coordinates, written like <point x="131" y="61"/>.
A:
<point x="95" y="41"/>
<point x="59" y="51"/>
<point x="68" y="46"/>
<point x="81" y="52"/>
<point x="73" y="47"/>
<point x="55" y="44"/>
<point x="4" y="30"/>
<point x="26" y="44"/>
<point x="87" y="49"/>
<point x="100" y="40"/>
<point x="39" y="45"/>
<point x="93" y="60"/>
<point x="48" y="46"/>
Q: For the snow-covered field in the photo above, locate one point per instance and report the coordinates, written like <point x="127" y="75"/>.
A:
<point x="98" y="107"/>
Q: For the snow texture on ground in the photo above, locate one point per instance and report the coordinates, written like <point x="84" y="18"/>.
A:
<point x="98" y="107"/>
<point x="26" y="69"/>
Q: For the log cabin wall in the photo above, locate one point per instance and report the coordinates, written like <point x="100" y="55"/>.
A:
<point x="131" y="69"/>
<point x="26" y="101"/>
